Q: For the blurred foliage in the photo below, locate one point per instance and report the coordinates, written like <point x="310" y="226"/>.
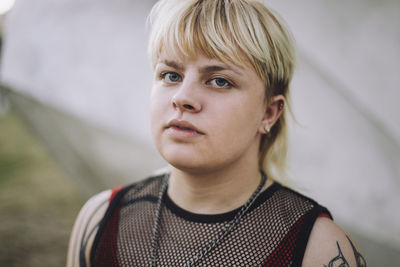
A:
<point x="38" y="204"/>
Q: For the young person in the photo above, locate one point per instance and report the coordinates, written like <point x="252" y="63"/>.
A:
<point x="218" y="117"/>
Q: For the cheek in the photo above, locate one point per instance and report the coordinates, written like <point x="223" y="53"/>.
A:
<point x="157" y="106"/>
<point x="237" y="125"/>
<point x="246" y="115"/>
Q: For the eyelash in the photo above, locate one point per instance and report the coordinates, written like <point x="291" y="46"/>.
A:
<point x="228" y="85"/>
<point x="164" y="74"/>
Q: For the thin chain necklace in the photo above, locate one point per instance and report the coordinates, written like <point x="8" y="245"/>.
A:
<point x="232" y="224"/>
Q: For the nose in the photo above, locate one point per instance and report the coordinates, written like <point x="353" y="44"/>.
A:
<point x="186" y="98"/>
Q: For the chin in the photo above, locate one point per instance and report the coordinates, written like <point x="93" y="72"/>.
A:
<point x="192" y="165"/>
<point x="182" y="162"/>
<point x="186" y="162"/>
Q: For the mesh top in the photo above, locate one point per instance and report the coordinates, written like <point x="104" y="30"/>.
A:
<point x="274" y="232"/>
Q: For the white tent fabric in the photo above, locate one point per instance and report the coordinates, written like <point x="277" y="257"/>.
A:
<point x="347" y="147"/>
<point x="87" y="58"/>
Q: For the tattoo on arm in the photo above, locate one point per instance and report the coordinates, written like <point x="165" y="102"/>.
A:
<point x="359" y="258"/>
<point x="340" y="260"/>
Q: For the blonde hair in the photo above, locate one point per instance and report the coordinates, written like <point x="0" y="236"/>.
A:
<point x="227" y="30"/>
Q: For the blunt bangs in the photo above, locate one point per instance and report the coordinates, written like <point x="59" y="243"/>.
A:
<point x="230" y="31"/>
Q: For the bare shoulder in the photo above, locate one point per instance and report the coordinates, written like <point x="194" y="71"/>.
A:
<point x="330" y="246"/>
<point x="85" y="228"/>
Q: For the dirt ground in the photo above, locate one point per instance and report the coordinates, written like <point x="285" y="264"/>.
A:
<point x="38" y="204"/>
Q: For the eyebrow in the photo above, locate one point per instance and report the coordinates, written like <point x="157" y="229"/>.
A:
<point x="206" y="69"/>
<point x="214" y="68"/>
<point x="173" y="64"/>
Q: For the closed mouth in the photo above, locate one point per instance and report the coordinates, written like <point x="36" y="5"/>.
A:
<point x="183" y="125"/>
<point x="183" y="128"/>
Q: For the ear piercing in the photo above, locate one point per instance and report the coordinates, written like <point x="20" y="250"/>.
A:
<point x="267" y="129"/>
<point x="280" y="105"/>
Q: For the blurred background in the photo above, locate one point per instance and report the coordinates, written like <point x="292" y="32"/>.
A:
<point x="74" y="101"/>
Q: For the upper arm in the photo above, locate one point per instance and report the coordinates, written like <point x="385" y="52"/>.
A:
<point x="330" y="246"/>
<point x="85" y="228"/>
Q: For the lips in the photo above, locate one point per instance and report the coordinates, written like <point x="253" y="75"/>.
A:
<point x="182" y="125"/>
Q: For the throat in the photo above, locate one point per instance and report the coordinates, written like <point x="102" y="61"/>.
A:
<point x="211" y="196"/>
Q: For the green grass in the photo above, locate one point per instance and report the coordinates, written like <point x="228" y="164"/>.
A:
<point x="38" y="203"/>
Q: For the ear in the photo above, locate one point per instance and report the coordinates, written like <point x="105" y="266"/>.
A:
<point x="272" y="113"/>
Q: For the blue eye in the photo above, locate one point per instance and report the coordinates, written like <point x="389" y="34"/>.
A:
<point x="171" y="77"/>
<point x="220" y="83"/>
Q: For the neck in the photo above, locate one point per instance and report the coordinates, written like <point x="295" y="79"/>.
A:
<point x="213" y="192"/>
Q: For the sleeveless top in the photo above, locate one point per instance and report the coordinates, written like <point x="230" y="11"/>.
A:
<point x="273" y="232"/>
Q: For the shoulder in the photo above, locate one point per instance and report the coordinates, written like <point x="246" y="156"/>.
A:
<point x="329" y="245"/>
<point x="92" y="213"/>
<point x="323" y="243"/>
<point x="85" y="227"/>
<point x="301" y="205"/>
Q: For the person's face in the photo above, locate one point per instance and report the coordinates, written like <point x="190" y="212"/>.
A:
<point x="206" y="114"/>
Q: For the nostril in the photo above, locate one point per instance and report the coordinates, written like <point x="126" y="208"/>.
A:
<point x="190" y="107"/>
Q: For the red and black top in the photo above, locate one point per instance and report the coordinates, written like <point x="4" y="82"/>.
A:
<point x="274" y="231"/>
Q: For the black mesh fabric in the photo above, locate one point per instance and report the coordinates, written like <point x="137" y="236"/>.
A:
<point x="274" y="232"/>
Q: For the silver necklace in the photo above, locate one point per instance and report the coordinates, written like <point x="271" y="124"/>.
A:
<point x="232" y="224"/>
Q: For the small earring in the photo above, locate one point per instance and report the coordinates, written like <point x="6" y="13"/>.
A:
<point x="280" y="106"/>
<point x="267" y="129"/>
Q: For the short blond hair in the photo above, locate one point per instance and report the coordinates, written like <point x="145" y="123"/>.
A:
<point x="227" y="30"/>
